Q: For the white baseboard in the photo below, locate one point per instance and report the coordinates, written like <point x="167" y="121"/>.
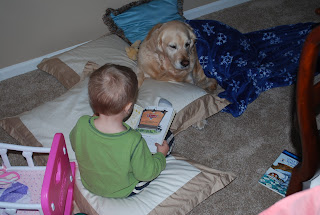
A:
<point x="31" y="65"/>
<point x="210" y="8"/>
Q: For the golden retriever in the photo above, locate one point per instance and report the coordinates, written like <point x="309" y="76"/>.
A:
<point x="169" y="53"/>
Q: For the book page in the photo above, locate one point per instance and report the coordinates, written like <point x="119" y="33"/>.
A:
<point x="135" y="116"/>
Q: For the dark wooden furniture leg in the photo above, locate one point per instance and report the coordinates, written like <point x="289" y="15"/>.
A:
<point x="308" y="102"/>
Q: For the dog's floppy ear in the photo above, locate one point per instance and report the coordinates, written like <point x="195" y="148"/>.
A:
<point x="159" y="43"/>
<point x="193" y="36"/>
<point x="153" y="35"/>
<point x="154" y="30"/>
<point x="159" y="38"/>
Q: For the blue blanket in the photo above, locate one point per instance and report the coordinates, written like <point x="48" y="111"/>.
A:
<point x="246" y="65"/>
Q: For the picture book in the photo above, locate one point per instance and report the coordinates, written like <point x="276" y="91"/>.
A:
<point x="152" y="122"/>
<point x="277" y="177"/>
<point x="135" y="116"/>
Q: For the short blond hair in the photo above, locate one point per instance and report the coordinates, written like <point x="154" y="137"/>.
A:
<point x="111" y="88"/>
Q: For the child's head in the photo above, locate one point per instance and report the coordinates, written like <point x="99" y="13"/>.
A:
<point x="111" y="88"/>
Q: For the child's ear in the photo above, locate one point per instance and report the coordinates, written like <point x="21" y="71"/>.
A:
<point x="127" y="109"/>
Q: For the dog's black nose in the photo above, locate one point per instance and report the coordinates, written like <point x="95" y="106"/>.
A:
<point x="185" y="63"/>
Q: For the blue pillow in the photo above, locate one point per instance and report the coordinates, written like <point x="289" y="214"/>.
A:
<point x="132" y="22"/>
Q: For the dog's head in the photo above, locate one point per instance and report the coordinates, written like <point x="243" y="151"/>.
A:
<point x="176" y="42"/>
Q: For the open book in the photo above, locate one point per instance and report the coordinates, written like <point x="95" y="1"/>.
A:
<point x="152" y="122"/>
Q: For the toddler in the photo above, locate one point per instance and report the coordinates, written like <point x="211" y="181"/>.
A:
<point x="114" y="160"/>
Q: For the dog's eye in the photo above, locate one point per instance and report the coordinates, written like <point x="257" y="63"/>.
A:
<point x="187" y="45"/>
<point x="173" y="46"/>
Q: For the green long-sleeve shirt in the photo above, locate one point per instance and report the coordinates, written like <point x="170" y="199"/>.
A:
<point x="111" y="165"/>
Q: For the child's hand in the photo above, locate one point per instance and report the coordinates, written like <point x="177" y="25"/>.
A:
<point x="164" y="148"/>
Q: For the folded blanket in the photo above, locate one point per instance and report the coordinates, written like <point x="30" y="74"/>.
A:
<point x="13" y="193"/>
<point x="246" y="65"/>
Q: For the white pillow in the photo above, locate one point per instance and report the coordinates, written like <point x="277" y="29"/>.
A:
<point x="38" y="126"/>
<point x="191" y="103"/>
<point x="177" y="190"/>
<point x="68" y="66"/>
<point x="152" y="90"/>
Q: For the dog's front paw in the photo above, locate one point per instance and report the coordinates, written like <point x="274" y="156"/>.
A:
<point x="200" y="124"/>
<point x="211" y="85"/>
<point x="140" y="77"/>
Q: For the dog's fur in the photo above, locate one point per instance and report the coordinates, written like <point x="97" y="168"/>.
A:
<point x="168" y="53"/>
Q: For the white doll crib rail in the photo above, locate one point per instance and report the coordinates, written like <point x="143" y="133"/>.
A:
<point x="50" y="188"/>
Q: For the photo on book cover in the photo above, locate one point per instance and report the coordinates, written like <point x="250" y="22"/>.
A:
<point x="151" y="119"/>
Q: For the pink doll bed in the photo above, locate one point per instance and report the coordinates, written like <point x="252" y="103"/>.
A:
<point x="42" y="182"/>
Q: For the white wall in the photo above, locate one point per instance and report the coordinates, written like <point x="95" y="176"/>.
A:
<point x="31" y="33"/>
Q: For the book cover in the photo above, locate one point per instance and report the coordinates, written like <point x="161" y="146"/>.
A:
<point x="277" y="177"/>
<point x="152" y="122"/>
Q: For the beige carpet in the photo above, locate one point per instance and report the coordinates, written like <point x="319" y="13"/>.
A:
<point x="246" y="145"/>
